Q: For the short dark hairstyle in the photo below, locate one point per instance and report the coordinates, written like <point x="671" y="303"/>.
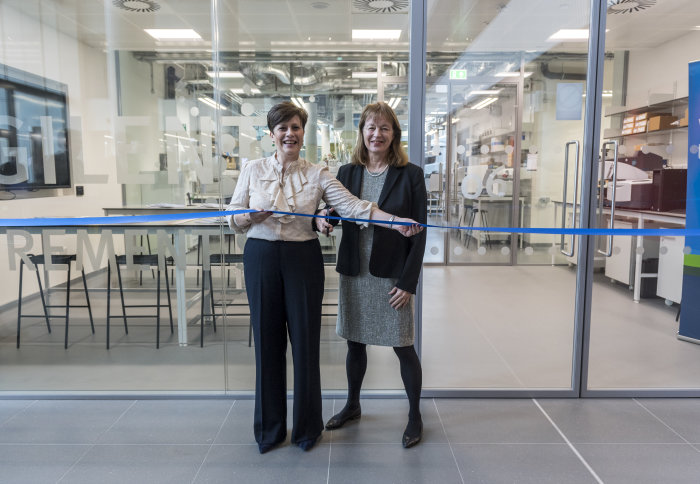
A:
<point x="284" y="111"/>
<point x="397" y="156"/>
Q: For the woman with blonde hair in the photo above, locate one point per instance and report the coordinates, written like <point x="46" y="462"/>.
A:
<point x="378" y="270"/>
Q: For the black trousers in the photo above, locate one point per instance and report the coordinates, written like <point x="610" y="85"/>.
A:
<point x="284" y="283"/>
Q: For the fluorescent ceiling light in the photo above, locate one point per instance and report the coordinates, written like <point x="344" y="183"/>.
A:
<point x="485" y="92"/>
<point x="569" y="34"/>
<point x="364" y="91"/>
<point x="513" y="74"/>
<point x="393" y="102"/>
<point x="484" y="103"/>
<point x="240" y="90"/>
<point x="366" y="75"/>
<point x="363" y="34"/>
<point x="210" y="102"/>
<point x="226" y="74"/>
<point x="299" y="102"/>
<point x="173" y="34"/>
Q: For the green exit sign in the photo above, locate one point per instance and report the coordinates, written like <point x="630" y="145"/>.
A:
<point x="458" y="74"/>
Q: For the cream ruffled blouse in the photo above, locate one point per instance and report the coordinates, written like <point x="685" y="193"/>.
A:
<point x="261" y="185"/>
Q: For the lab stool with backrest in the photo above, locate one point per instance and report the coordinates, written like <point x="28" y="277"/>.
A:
<point x="148" y="260"/>
<point x="56" y="259"/>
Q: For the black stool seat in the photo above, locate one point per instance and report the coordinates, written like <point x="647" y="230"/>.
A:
<point x="57" y="259"/>
<point x="141" y="260"/>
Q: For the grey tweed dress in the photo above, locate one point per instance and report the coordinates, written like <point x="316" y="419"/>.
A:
<point x="364" y="313"/>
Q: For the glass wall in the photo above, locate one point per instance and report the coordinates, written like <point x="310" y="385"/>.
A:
<point x="640" y="338"/>
<point x="156" y="106"/>
<point x="151" y="108"/>
<point x="504" y="131"/>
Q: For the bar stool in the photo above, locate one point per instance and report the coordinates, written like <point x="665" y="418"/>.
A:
<point x="142" y="260"/>
<point x="221" y="260"/>
<point x="484" y="223"/>
<point x="56" y="259"/>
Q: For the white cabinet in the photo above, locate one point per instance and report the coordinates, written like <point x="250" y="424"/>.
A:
<point x="670" y="283"/>
<point x="619" y="265"/>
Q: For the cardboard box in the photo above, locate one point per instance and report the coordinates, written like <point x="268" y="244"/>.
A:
<point x="639" y="129"/>
<point x="628" y="120"/>
<point x="660" y="122"/>
<point x="626" y="131"/>
<point x="641" y="117"/>
<point x="684" y="120"/>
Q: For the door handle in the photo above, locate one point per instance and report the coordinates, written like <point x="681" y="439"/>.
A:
<point x="564" y="200"/>
<point x="609" y="250"/>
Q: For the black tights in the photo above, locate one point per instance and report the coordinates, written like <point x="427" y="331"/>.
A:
<point x="411" y="374"/>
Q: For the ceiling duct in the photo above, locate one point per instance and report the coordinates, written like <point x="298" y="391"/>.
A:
<point x="380" y="6"/>
<point x="137" y="6"/>
<point x="629" y="6"/>
<point x="256" y="71"/>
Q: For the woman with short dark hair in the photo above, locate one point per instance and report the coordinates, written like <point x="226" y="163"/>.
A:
<point x="284" y="274"/>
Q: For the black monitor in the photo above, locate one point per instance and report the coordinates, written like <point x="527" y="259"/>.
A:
<point x="34" y="150"/>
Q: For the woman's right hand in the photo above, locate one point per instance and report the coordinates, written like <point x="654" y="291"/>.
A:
<point x="322" y="224"/>
<point x="259" y="216"/>
<point x="407" y="230"/>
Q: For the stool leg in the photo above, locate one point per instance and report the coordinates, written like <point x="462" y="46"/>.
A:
<point x="201" y="312"/>
<point x="43" y="299"/>
<point x="65" y="342"/>
<point x="19" y="302"/>
<point x="87" y="299"/>
<point x="121" y="294"/>
<point x="471" y="224"/>
<point x="170" y="306"/>
<point x="158" y="307"/>
<point x="199" y="254"/>
<point x="211" y="296"/>
<point x="485" y="223"/>
<point x="109" y="287"/>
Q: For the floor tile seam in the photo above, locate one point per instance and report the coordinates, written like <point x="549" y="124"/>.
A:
<point x="18" y="413"/>
<point x="498" y="353"/>
<point x="569" y="444"/>
<point x="447" y="437"/>
<point x="330" y="448"/>
<point x="662" y="422"/>
<point x="118" y="418"/>
<point x="211" y="445"/>
<point x="77" y="461"/>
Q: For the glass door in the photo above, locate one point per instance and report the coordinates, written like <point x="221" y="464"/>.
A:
<point x="644" y="324"/>
<point x="504" y="137"/>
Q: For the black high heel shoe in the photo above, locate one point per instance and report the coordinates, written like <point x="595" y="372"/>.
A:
<point x="339" y="419"/>
<point x="413" y="434"/>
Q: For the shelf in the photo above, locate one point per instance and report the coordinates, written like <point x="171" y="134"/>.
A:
<point x="647" y="133"/>
<point x="657" y="108"/>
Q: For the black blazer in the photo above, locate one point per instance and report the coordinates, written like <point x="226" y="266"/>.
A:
<point x="393" y="255"/>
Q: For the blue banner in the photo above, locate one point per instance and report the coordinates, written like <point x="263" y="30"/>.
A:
<point x="690" y="304"/>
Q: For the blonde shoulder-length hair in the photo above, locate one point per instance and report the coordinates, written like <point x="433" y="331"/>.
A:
<point x="397" y="156"/>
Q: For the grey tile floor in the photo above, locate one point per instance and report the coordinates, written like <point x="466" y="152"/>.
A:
<point x="465" y="441"/>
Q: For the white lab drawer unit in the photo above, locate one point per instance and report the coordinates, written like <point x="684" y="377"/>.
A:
<point x="670" y="282"/>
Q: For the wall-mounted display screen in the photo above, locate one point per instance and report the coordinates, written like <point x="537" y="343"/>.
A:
<point x="34" y="150"/>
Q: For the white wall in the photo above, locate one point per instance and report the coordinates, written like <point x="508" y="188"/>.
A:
<point x="43" y="50"/>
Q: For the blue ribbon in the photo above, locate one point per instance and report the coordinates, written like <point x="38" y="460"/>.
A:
<point x="167" y="217"/>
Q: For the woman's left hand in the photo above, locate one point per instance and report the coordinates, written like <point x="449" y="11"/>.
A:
<point x="399" y="298"/>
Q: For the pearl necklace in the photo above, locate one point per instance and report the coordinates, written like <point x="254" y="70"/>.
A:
<point x="380" y="173"/>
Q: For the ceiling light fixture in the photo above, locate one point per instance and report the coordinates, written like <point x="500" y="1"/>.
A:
<point x="366" y="75"/>
<point x="210" y="102"/>
<point x="137" y="6"/>
<point x="364" y="91"/>
<point x="365" y="34"/>
<point x="225" y="74"/>
<point x="485" y="92"/>
<point x="173" y="34"/>
<point x="484" y="102"/>
<point x="299" y="102"/>
<point x="513" y="74"/>
<point x="572" y="35"/>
